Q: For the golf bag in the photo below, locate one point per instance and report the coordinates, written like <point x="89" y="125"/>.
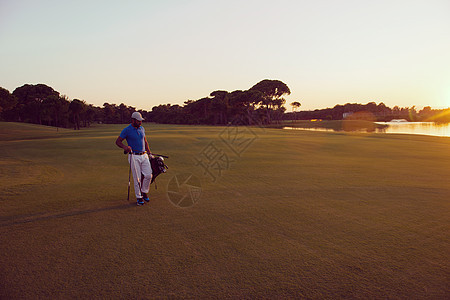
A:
<point x="158" y="167"/>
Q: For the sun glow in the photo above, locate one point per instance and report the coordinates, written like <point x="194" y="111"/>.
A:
<point x="440" y="117"/>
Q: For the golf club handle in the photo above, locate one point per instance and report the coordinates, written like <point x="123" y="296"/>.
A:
<point x="154" y="154"/>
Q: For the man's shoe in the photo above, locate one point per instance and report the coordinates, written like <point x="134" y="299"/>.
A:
<point x="140" y="201"/>
<point x="145" y="197"/>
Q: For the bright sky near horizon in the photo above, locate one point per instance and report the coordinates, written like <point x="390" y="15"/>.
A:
<point x="146" y="53"/>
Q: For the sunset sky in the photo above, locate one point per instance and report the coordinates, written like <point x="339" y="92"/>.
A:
<point x="146" y="53"/>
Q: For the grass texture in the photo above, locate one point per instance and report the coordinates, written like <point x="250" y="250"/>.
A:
<point x="291" y="214"/>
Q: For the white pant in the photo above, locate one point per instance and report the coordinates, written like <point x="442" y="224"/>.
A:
<point x="142" y="173"/>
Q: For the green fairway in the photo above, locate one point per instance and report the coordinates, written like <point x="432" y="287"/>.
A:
<point x="288" y="214"/>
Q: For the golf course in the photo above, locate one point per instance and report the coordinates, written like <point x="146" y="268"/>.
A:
<point x="273" y="214"/>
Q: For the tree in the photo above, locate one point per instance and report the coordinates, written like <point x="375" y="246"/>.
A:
<point x="55" y="109"/>
<point x="199" y="111"/>
<point x="125" y="113"/>
<point x="7" y="102"/>
<point x="426" y="113"/>
<point x="30" y="98"/>
<point x="272" y="96"/>
<point x="295" y="105"/>
<point x="238" y="102"/>
<point x="220" y="106"/>
<point x="111" y="113"/>
<point x="91" y="114"/>
<point x="244" y="105"/>
<point x="76" y="107"/>
<point x="272" y="89"/>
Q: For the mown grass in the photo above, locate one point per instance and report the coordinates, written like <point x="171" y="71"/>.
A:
<point x="298" y="214"/>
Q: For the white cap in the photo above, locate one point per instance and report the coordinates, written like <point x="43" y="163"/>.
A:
<point x="136" y="115"/>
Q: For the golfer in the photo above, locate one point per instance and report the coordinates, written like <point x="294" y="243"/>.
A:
<point x="138" y="156"/>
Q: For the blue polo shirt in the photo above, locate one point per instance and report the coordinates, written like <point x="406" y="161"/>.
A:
<point x="134" y="137"/>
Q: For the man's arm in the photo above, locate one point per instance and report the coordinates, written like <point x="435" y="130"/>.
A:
<point x="147" y="148"/>
<point x="119" y="143"/>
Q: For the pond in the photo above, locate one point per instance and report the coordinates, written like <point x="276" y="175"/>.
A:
<point x="424" y="128"/>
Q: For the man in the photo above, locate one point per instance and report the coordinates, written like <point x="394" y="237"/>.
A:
<point x="138" y="156"/>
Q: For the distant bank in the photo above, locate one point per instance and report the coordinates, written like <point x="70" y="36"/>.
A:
<point x="422" y="128"/>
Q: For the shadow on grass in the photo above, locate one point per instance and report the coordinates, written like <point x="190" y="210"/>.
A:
<point x="22" y="219"/>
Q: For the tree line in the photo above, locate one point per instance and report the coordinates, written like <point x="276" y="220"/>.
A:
<point x="41" y="104"/>
<point x="262" y="104"/>
<point x="372" y="112"/>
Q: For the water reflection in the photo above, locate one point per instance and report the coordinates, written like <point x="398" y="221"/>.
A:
<point x="424" y="128"/>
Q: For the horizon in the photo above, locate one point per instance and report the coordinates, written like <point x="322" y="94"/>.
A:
<point x="287" y="105"/>
<point x="144" y="54"/>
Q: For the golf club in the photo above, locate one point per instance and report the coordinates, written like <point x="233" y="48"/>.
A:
<point x="154" y="154"/>
<point x="129" y="182"/>
<point x="159" y="155"/>
<point x="129" y="174"/>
